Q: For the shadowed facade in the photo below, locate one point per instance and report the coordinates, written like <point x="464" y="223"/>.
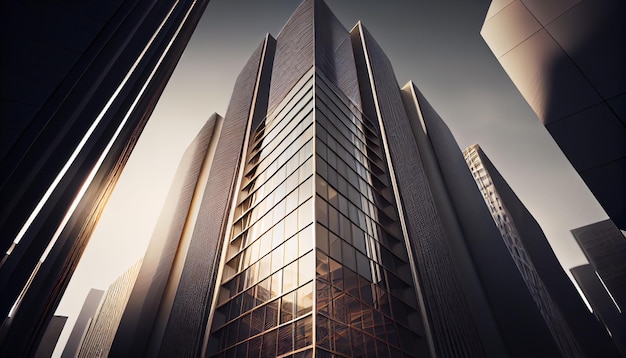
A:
<point x="79" y="83"/>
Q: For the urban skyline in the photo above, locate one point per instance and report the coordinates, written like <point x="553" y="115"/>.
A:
<point x="337" y="9"/>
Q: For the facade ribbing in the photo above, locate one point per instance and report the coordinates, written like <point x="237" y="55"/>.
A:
<point x="102" y="327"/>
<point x="150" y="301"/>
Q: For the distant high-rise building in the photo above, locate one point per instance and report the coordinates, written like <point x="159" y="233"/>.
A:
<point x="603" y="306"/>
<point x="50" y="337"/>
<point x="604" y="245"/>
<point x="99" y="336"/>
<point x="79" y="82"/>
<point x="336" y="216"/>
<point x="568" y="60"/>
<point x="143" y="323"/>
<point x="86" y="314"/>
<point x="571" y="324"/>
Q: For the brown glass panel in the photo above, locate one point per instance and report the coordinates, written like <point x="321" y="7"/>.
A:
<point x="271" y="314"/>
<point x="323" y="297"/>
<point x="231" y="333"/>
<point x="287" y="307"/>
<point x="268" y="349"/>
<point x="285" y="339"/>
<point x="254" y="347"/>
<point x="341" y="336"/>
<point x="323" y="338"/>
<point x="257" y="321"/>
<point x="303" y="333"/>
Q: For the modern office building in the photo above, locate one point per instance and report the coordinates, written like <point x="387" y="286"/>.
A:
<point x="86" y="314"/>
<point x="604" y="245"/>
<point x="572" y="325"/>
<point x="99" y="336"/>
<point x="142" y="325"/>
<point x="79" y="82"/>
<point x="336" y="215"/>
<point x="50" y="337"/>
<point x="568" y="60"/>
<point x="603" y="306"/>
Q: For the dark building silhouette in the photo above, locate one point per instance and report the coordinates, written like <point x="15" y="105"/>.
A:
<point x="86" y="314"/>
<point x="603" y="306"/>
<point x="336" y="216"/>
<point x="79" y="81"/>
<point x="572" y="325"/>
<point x="568" y="60"/>
<point x="604" y="245"/>
<point x="50" y="337"/>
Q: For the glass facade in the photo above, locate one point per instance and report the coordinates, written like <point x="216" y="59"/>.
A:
<point x="265" y="301"/>
<point x="316" y="240"/>
<point x="366" y="303"/>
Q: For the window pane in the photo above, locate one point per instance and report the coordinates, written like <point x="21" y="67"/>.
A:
<point x="290" y="277"/>
<point x="304" y="300"/>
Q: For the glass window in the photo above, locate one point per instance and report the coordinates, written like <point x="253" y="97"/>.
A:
<point x="303" y="333"/>
<point x="341" y="336"/>
<point x="305" y="214"/>
<point x="268" y="349"/>
<point x="244" y="328"/>
<point x="323" y="332"/>
<point x="322" y="168"/>
<point x="287" y="307"/>
<point x="278" y="234"/>
<point x="292" y="201"/>
<point x="305" y="189"/>
<point x="291" y="249"/>
<point x="348" y="256"/>
<point x="304" y="300"/>
<point x="290" y="277"/>
<point x="263" y="290"/>
<point x="285" y="339"/>
<point x="277" y="258"/>
<point x="277" y="282"/>
<point x="321" y="187"/>
<point x="291" y="224"/>
<point x="333" y="219"/>
<point x="363" y="266"/>
<point x="332" y="196"/>
<point x="305" y="268"/>
<point x="305" y="240"/>
<point x="321" y="211"/>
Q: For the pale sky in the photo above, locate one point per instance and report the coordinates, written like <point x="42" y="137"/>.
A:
<point x="434" y="43"/>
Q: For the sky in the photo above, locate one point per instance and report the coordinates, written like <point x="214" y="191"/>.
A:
<point x="434" y="43"/>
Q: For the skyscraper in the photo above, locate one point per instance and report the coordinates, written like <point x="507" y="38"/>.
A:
<point x="99" y="335"/>
<point x="87" y="312"/>
<point x="143" y="323"/>
<point x="604" y="245"/>
<point x="572" y="325"/>
<point x="338" y="216"/>
<point x="568" y="60"/>
<point x="79" y="82"/>
<point x="50" y="337"/>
